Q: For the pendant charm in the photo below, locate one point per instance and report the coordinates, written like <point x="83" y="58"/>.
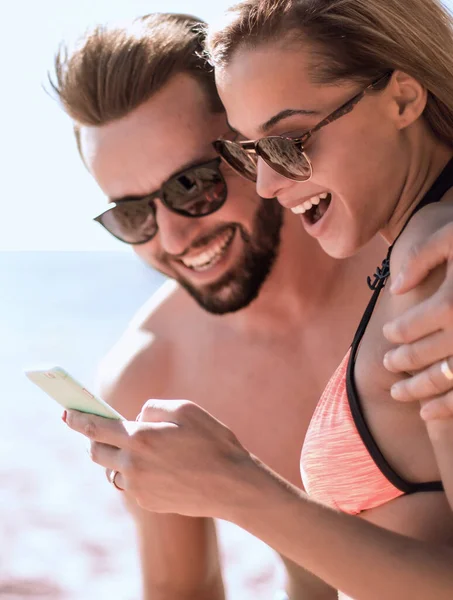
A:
<point x="381" y="275"/>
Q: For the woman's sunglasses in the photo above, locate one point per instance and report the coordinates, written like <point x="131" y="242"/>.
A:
<point x="285" y="155"/>
<point x="194" y="192"/>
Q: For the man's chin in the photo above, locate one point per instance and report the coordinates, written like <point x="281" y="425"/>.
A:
<point x="236" y="289"/>
<point x="241" y="284"/>
<point x="221" y="298"/>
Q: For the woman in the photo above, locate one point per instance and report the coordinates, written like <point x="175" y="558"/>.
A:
<point x="351" y="104"/>
<point x="365" y="121"/>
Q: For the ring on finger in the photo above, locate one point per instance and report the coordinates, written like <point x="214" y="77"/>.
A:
<point x="445" y="368"/>
<point x="112" y="478"/>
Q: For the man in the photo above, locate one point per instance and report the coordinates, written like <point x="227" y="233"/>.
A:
<point x="256" y="318"/>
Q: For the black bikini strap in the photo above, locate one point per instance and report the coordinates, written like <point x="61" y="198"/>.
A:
<point x="436" y="192"/>
<point x="380" y="279"/>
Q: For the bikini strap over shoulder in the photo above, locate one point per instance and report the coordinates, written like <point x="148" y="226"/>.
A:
<point x="436" y="192"/>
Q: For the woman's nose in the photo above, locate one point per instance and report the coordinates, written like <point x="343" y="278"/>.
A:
<point x="269" y="183"/>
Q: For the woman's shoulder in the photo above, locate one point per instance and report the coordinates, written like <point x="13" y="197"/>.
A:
<point x="423" y="224"/>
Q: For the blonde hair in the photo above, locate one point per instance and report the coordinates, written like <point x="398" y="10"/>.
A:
<point x="353" y="39"/>
<point x="113" y="70"/>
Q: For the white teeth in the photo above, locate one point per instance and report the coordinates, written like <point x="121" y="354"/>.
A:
<point x="308" y="204"/>
<point x="208" y="258"/>
<point x="201" y="259"/>
<point x="298" y="210"/>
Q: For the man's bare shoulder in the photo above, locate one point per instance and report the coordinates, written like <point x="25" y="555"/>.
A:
<point x="139" y="365"/>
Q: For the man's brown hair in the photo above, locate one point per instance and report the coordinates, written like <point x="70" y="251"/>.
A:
<point x="353" y="39"/>
<point x="113" y="70"/>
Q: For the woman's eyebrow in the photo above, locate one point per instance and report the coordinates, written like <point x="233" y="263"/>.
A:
<point x="284" y="114"/>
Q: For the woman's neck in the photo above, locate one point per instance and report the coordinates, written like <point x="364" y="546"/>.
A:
<point x="420" y="177"/>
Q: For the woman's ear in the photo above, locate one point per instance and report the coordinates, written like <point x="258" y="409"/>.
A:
<point x="409" y="99"/>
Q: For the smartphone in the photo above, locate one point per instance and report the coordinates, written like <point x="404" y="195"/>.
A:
<point x="70" y="394"/>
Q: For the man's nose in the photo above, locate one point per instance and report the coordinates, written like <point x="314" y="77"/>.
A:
<point x="269" y="183"/>
<point x="175" y="231"/>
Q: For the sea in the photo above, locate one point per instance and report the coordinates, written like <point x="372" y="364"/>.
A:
<point x="64" y="532"/>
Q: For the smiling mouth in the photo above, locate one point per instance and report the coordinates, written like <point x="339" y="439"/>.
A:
<point x="212" y="254"/>
<point x="314" y="209"/>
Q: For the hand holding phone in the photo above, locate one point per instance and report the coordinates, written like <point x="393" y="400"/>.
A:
<point x="70" y="394"/>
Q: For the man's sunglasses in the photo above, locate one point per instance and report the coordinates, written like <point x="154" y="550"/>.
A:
<point x="194" y="192"/>
<point x="285" y="155"/>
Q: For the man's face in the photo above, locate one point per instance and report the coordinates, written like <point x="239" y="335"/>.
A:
<point x="221" y="259"/>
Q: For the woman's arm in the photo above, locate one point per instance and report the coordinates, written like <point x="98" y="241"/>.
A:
<point x="179" y="459"/>
<point x="364" y="561"/>
<point x="434" y="385"/>
<point x="440" y="431"/>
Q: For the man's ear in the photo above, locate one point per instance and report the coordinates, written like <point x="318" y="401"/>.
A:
<point x="409" y="98"/>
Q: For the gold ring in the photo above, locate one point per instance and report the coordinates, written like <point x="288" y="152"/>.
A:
<point x="111" y="477"/>
<point x="445" y="368"/>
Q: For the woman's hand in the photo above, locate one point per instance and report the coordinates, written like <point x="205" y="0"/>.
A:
<point x="175" y="458"/>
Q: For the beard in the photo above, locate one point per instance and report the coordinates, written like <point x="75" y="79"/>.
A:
<point x="241" y="285"/>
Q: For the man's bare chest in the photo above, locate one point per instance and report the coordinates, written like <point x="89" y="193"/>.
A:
<point x="266" y="395"/>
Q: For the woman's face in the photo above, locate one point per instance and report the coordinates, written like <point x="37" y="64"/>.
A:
<point x="360" y="161"/>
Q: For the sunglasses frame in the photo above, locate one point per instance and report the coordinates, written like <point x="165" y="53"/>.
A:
<point x="252" y="146"/>
<point x="160" y="193"/>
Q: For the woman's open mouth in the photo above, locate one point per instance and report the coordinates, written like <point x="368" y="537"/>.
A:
<point x="314" y="209"/>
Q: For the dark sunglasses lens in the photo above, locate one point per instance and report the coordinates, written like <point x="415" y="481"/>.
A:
<point x="285" y="157"/>
<point x="234" y="155"/>
<point x="133" y="222"/>
<point x="197" y="192"/>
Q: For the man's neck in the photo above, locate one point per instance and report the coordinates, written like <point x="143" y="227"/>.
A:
<point x="302" y="280"/>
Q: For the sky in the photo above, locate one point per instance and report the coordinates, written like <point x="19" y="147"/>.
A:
<point x="47" y="198"/>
